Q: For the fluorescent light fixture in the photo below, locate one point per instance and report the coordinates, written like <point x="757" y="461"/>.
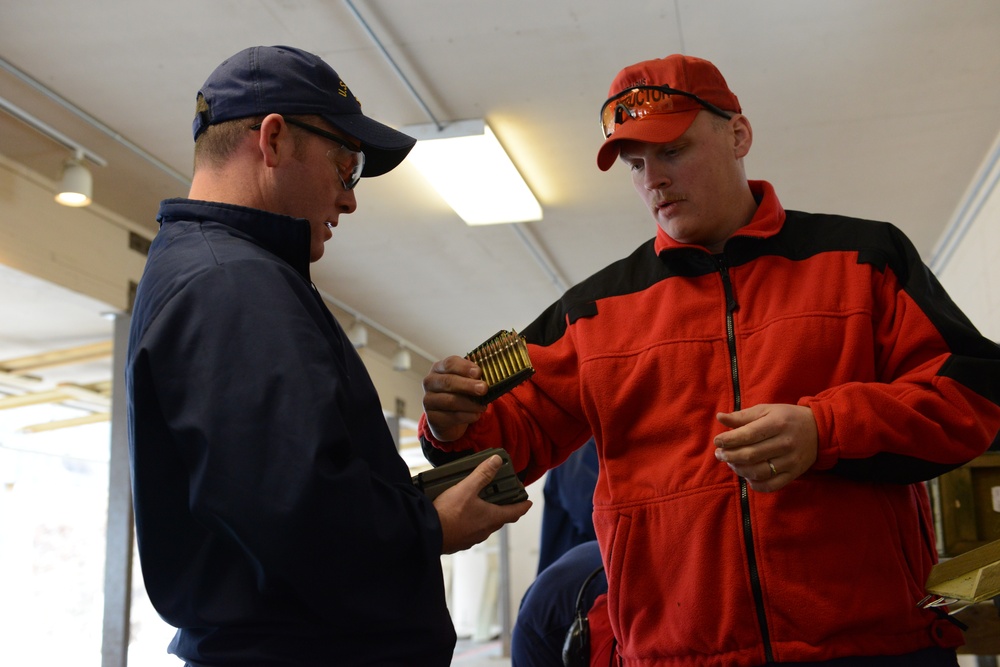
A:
<point x="470" y="169"/>
<point x="76" y="186"/>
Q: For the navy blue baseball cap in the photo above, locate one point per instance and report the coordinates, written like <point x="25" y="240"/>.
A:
<point x="285" y="80"/>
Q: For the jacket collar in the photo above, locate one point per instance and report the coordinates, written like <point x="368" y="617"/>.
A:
<point x="285" y="236"/>
<point x="766" y="221"/>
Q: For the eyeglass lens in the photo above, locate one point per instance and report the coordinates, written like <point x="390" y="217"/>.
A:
<point x="349" y="165"/>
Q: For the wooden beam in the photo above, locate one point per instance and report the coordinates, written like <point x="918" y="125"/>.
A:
<point x="93" y="418"/>
<point x="72" y="355"/>
<point x="97" y="394"/>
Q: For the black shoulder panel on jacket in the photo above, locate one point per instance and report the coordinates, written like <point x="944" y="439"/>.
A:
<point x="805" y="235"/>
<point x="629" y="275"/>
<point x="585" y="309"/>
<point x="885" y="247"/>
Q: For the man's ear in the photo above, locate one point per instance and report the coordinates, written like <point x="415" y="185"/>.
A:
<point x="275" y="142"/>
<point x="742" y="135"/>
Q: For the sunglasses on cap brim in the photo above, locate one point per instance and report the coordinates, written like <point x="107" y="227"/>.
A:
<point x="641" y="101"/>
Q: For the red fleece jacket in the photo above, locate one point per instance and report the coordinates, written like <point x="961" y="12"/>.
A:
<point x="828" y="312"/>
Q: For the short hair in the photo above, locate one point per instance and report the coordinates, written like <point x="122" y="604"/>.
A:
<point x="217" y="143"/>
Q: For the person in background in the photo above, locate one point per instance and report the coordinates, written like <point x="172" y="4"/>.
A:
<point x="767" y="390"/>
<point x="567" y="513"/>
<point x="276" y="522"/>
<point x="570" y="573"/>
<point x="572" y="587"/>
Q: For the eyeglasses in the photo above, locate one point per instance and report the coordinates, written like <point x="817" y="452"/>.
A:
<point x="348" y="161"/>
<point x="641" y="101"/>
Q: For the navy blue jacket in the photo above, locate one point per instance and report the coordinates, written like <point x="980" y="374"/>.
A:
<point x="567" y="515"/>
<point x="276" y="522"/>
<point x="550" y="605"/>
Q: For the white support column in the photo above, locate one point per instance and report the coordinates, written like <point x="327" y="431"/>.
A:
<point x="118" y="556"/>
<point x="505" y="611"/>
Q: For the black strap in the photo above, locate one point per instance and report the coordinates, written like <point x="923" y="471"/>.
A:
<point x="583" y="587"/>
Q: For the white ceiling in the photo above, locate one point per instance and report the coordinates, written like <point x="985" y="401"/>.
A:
<point x="876" y="108"/>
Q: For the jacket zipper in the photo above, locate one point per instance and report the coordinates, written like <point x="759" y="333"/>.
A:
<point x="758" y="594"/>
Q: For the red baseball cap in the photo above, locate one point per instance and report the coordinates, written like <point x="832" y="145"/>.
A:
<point x="639" y="109"/>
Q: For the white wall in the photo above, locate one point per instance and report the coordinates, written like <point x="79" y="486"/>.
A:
<point x="85" y="250"/>
<point x="392" y="384"/>
<point x="967" y="260"/>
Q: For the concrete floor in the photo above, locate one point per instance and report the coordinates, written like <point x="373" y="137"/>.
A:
<point x="470" y="653"/>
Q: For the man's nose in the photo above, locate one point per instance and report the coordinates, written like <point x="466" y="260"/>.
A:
<point x="656" y="177"/>
<point x="347" y="202"/>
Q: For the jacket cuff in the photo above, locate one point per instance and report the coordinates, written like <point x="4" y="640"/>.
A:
<point x="827" y="454"/>
<point x="436" y="453"/>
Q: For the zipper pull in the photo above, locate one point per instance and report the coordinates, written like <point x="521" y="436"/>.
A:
<point x="731" y="304"/>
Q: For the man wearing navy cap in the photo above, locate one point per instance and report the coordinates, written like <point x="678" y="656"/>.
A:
<point x="276" y="521"/>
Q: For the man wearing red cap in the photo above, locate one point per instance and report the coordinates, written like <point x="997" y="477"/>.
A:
<point x="767" y="390"/>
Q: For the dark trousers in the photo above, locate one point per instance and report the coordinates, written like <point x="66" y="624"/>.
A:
<point x="928" y="657"/>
